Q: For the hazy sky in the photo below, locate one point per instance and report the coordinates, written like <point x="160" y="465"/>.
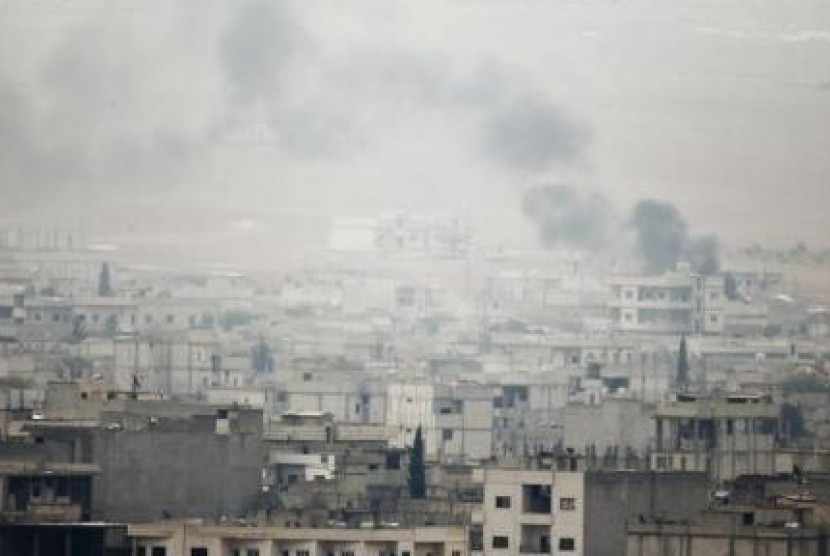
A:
<point x="266" y="118"/>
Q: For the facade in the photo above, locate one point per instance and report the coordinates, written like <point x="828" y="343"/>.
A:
<point x="566" y="511"/>
<point x="723" y="436"/>
<point x="456" y="420"/>
<point x="155" y="456"/>
<point x="615" y="426"/>
<point x="202" y="539"/>
<point x="738" y="531"/>
<point x="678" y="303"/>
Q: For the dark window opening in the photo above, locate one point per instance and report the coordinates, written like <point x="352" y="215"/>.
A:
<point x="567" y="544"/>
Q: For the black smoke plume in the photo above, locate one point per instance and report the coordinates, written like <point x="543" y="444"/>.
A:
<point x="663" y="239"/>
<point x="565" y="216"/>
<point x="662" y="234"/>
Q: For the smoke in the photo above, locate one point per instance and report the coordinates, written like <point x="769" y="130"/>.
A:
<point x="663" y="239"/>
<point x="703" y="254"/>
<point x="262" y="39"/>
<point x="662" y="234"/>
<point x="532" y="136"/>
<point x="565" y="216"/>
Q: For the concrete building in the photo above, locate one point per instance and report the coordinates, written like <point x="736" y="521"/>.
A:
<point x="456" y="419"/>
<point x="614" y="427"/>
<point x="157" y="457"/>
<point x="566" y="511"/>
<point x="678" y="303"/>
<point x="724" y="436"/>
<point x="203" y="539"/>
<point x="738" y="531"/>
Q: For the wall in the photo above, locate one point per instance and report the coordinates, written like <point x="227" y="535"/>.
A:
<point x="611" y="498"/>
<point x="185" y="473"/>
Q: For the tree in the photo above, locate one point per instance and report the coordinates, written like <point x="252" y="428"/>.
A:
<point x="261" y="357"/>
<point x="104" y="281"/>
<point x="682" y="365"/>
<point x="79" y="331"/>
<point x="417" y="468"/>
<point x="111" y="326"/>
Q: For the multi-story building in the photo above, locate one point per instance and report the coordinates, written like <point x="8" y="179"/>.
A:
<point x="456" y="419"/>
<point x="203" y="539"/>
<point x="678" y="303"/>
<point x="723" y="436"/>
<point x="734" y="530"/>
<point x="563" y="510"/>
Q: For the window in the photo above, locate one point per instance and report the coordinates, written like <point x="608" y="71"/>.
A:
<point x="502" y="502"/>
<point x="446" y="434"/>
<point x="500" y="542"/>
<point x="158" y="551"/>
<point x="347" y="553"/>
<point x="405" y="553"/>
<point x="252" y="552"/>
<point x="140" y="550"/>
<point x="456" y="553"/>
<point x="302" y="553"/>
<point x="567" y="503"/>
<point x="567" y="544"/>
<point x="170" y="319"/>
<point x="198" y="552"/>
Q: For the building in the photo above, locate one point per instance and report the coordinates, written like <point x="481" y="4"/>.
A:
<point x="616" y="427"/>
<point x="156" y="456"/>
<point x="204" y="539"/>
<point x="738" y="531"/>
<point x="724" y="436"/>
<point x="678" y="303"/>
<point x="562" y="510"/>
<point x="456" y="420"/>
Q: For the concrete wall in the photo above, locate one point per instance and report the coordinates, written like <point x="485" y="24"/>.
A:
<point x="617" y="423"/>
<point x="185" y="473"/>
<point x="612" y="498"/>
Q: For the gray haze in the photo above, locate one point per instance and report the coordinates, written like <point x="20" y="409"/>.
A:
<point x="253" y="123"/>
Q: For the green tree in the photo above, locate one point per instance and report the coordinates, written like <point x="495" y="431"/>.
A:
<point x="104" y="281"/>
<point x="79" y="331"/>
<point x="111" y="326"/>
<point x="417" y="468"/>
<point x="262" y="357"/>
<point x="682" y="365"/>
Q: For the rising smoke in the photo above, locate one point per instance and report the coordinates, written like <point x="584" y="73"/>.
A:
<point x="565" y="216"/>
<point x="663" y="239"/>
<point x="568" y="217"/>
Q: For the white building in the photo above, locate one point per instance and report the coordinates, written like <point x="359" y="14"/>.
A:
<point x="456" y="420"/>
<point x="678" y="303"/>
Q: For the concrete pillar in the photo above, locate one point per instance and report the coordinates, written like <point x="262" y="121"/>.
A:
<point x="696" y="433"/>
<point x="659" y="434"/>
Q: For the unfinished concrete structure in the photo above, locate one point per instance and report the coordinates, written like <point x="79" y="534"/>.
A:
<point x="724" y="436"/>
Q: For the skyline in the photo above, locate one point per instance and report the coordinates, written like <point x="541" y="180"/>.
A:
<point x="163" y="117"/>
